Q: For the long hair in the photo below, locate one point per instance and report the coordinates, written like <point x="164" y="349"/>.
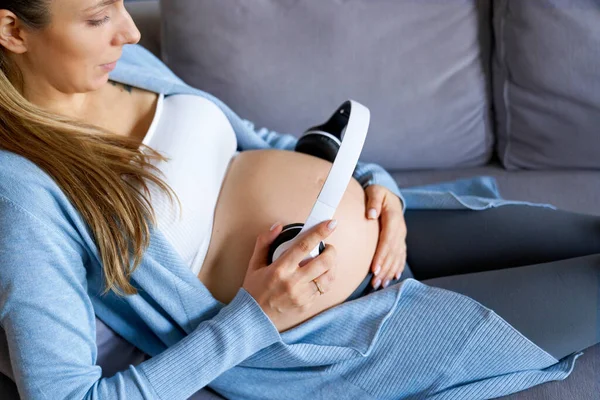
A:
<point x="99" y="171"/>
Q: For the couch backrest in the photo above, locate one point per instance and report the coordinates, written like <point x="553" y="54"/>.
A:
<point x="286" y="64"/>
<point x="421" y="66"/>
<point x="547" y="83"/>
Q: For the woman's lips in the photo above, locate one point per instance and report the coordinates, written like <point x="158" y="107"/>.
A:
<point x="109" y="67"/>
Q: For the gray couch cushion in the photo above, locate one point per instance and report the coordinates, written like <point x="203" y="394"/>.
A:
<point x="577" y="191"/>
<point x="547" y="83"/>
<point x="582" y="384"/>
<point x="287" y="64"/>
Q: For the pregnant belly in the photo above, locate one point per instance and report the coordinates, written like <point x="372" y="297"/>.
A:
<point x="265" y="186"/>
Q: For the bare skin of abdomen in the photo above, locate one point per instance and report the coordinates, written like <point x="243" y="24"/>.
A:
<point x="265" y="186"/>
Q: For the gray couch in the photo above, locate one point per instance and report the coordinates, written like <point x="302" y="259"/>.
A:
<point x="260" y="57"/>
<point x="456" y="88"/>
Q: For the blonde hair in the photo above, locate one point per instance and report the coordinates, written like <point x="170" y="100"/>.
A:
<point x="98" y="170"/>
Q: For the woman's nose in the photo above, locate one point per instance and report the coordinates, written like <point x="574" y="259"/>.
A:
<point x="129" y="33"/>
<point x="135" y="35"/>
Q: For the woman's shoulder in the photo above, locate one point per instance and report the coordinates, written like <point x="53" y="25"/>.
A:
<point x="25" y="185"/>
<point x="15" y="169"/>
<point x="32" y="204"/>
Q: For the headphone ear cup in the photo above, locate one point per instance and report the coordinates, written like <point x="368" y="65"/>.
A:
<point x="318" y="145"/>
<point x="288" y="232"/>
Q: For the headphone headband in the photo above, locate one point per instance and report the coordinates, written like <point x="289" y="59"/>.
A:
<point x="351" y="129"/>
<point x="348" y="124"/>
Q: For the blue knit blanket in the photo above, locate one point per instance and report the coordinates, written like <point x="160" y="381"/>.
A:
<point x="408" y="341"/>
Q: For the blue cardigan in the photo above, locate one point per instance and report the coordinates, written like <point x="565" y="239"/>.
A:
<point x="409" y="340"/>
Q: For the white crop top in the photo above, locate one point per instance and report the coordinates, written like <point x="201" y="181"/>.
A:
<point x="200" y="142"/>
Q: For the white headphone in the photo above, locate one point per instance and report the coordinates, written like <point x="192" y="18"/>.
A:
<point x="353" y="118"/>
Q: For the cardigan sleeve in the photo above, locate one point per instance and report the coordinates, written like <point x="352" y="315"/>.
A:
<point x="365" y="173"/>
<point x="49" y="323"/>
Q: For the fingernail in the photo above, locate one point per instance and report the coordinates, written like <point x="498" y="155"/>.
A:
<point x="377" y="269"/>
<point x="398" y="274"/>
<point x="332" y="224"/>
<point x="275" y="225"/>
<point x="372" y="213"/>
<point x="377" y="283"/>
<point x="386" y="283"/>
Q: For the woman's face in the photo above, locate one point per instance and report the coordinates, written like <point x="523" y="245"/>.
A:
<point x="69" y="54"/>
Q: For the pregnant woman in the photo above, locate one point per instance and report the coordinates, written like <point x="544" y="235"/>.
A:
<point x="96" y="134"/>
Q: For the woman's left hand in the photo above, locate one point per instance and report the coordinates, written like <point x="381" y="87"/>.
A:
<point x="390" y="255"/>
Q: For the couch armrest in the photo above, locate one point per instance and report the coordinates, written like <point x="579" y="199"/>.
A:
<point x="146" y="15"/>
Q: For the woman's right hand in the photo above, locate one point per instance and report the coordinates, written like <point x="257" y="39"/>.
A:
<point x="285" y="289"/>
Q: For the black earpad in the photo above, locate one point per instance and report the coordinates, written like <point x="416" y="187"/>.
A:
<point x="288" y="232"/>
<point x="319" y="146"/>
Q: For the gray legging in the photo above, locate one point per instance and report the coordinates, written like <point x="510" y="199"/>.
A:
<point x="537" y="268"/>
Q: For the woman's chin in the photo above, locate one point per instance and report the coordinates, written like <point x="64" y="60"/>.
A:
<point x="100" y="81"/>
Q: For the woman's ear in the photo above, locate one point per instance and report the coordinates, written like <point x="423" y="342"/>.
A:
<point x="12" y="35"/>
